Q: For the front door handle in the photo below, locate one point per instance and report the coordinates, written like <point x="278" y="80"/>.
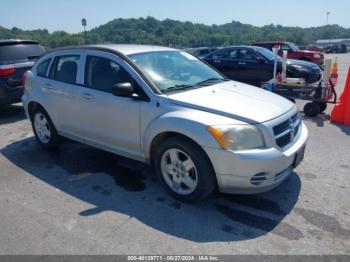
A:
<point x="87" y="96"/>
<point x="242" y="63"/>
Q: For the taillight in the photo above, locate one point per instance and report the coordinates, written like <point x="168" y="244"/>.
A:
<point x="7" y="70"/>
<point x="24" y="77"/>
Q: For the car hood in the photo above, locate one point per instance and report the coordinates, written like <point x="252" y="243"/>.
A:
<point x="308" y="52"/>
<point x="235" y="100"/>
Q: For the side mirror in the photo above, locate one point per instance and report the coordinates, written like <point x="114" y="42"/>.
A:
<point x="123" y="89"/>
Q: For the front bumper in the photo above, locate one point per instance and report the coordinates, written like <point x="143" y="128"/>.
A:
<point x="237" y="172"/>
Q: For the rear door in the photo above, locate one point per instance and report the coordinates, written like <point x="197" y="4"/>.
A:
<point x="226" y="62"/>
<point x="61" y="88"/>
<point x="252" y="68"/>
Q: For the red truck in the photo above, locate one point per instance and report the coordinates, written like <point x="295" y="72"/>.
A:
<point x="294" y="52"/>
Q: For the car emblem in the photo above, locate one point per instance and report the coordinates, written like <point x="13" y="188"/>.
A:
<point x="292" y="132"/>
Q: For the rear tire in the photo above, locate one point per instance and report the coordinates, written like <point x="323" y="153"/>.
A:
<point x="312" y="109"/>
<point x="43" y="128"/>
<point x="184" y="169"/>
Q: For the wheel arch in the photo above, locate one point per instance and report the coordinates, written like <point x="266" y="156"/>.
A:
<point x="31" y="108"/>
<point x="32" y="105"/>
<point x="162" y="137"/>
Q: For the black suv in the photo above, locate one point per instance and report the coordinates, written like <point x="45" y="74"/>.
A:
<point x="16" y="57"/>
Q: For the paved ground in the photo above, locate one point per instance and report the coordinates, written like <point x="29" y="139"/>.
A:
<point x="80" y="200"/>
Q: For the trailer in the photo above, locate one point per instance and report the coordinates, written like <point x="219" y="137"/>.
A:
<point x="319" y="95"/>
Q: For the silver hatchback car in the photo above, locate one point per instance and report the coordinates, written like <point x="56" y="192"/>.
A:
<point x="165" y="107"/>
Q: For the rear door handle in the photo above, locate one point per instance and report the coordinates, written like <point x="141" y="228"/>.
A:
<point x="242" y="63"/>
<point x="87" y="96"/>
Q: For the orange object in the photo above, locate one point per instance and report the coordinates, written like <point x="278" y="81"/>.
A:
<point x="341" y="111"/>
<point x="334" y="72"/>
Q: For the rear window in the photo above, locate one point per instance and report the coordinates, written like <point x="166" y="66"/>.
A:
<point x="65" y="68"/>
<point x="42" y="67"/>
<point x="18" y="52"/>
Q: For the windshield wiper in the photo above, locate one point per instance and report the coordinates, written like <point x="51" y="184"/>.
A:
<point x="206" y="82"/>
<point x="179" y="87"/>
<point x="210" y="80"/>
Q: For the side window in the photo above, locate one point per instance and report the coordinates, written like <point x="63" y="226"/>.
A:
<point x="102" y="74"/>
<point x="65" y="69"/>
<point x="285" y="47"/>
<point x="247" y="54"/>
<point x="227" y="54"/>
<point x="42" y="67"/>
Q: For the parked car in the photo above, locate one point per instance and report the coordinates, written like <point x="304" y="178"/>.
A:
<point x="336" y="49"/>
<point x="294" y="52"/>
<point x="255" y="65"/>
<point x="16" y="57"/>
<point x="201" y="52"/>
<point x="167" y="108"/>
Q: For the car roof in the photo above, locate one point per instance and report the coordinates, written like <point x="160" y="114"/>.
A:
<point x="198" y="48"/>
<point x="239" y="46"/>
<point x="271" y="42"/>
<point x="16" y="41"/>
<point x="124" y="49"/>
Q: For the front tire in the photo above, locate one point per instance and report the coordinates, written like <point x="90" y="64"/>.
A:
<point x="184" y="169"/>
<point x="43" y="128"/>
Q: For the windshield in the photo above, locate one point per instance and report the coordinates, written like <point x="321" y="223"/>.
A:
<point x="175" y="70"/>
<point x="293" y="46"/>
<point x="267" y="53"/>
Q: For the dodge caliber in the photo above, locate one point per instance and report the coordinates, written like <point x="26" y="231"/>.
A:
<point x="166" y="108"/>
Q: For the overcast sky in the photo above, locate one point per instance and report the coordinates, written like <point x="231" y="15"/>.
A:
<point x="66" y="14"/>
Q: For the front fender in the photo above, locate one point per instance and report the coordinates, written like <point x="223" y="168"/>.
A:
<point x="181" y="122"/>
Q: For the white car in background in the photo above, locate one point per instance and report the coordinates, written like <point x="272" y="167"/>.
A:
<point x="165" y="107"/>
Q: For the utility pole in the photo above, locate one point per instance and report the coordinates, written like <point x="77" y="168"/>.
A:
<point x="84" y="24"/>
<point x="327" y="19"/>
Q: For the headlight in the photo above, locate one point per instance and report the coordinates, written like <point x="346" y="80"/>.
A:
<point x="237" y="137"/>
<point x="300" y="68"/>
<point x="317" y="56"/>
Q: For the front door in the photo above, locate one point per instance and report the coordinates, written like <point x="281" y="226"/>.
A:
<point x="107" y="120"/>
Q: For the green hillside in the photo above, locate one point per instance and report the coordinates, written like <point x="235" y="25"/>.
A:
<point x="181" y="34"/>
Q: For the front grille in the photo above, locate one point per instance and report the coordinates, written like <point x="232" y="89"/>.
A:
<point x="286" y="131"/>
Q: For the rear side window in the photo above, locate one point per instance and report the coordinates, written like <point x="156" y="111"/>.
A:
<point x="42" y="67"/>
<point x="20" y="52"/>
<point x="246" y="54"/>
<point x="102" y="74"/>
<point x="65" y="69"/>
<point x="227" y="54"/>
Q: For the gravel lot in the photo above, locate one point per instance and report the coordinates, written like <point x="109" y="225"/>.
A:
<point x="80" y="200"/>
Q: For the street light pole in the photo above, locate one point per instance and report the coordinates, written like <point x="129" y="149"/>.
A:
<point x="84" y="24"/>
<point x="328" y="13"/>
